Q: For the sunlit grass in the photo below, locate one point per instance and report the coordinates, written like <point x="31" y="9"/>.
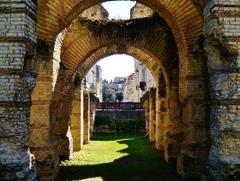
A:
<point x="111" y="157"/>
<point x="98" y="152"/>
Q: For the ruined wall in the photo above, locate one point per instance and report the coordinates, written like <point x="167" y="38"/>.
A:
<point x="222" y="45"/>
<point x="174" y="132"/>
<point x="17" y="79"/>
<point x="140" y="11"/>
<point x="96" y="12"/>
<point x="42" y="138"/>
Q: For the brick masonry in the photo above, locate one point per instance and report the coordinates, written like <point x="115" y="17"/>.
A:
<point x="17" y="79"/>
<point x="208" y="80"/>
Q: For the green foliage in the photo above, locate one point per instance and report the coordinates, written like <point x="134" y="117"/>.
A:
<point x="101" y="120"/>
<point x="123" y="125"/>
<point x="119" y="96"/>
<point x="108" y="92"/>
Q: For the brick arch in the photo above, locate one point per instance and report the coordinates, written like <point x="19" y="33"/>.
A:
<point x="65" y="85"/>
<point x="184" y="17"/>
<point x="85" y="38"/>
<point x="186" y="30"/>
<point x="136" y="52"/>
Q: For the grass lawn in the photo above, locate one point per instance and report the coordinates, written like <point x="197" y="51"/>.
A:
<point x="114" y="158"/>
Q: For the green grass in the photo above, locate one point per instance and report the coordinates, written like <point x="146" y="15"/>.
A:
<point x="118" y="158"/>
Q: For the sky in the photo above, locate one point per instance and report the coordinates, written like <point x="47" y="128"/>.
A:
<point x="117" y="65"/>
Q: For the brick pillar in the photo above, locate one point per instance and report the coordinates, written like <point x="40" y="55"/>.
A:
<point x="86" y="118"/>
<point x="17" y="79"/>
<point x="222" y="32"/>
<point x="152" y="115"/>
<point x="173" y="136"/>
<point x="145" y="102"/>
<point x="193" y="97"/>
<point x="93" y="104"/>
<point x="42" y="138"/>
<point x="161" y="113"/>
<point x="76" y="121"/>
<point x="61" y="111"/>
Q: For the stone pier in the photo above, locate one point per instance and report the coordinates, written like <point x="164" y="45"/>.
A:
<point x="86" y="136"/>
<point x="17" y="79"/>
<point x="76" y="120"/>
<point x="152" y="115"/>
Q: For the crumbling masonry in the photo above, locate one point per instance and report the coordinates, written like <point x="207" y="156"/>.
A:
<point x="191" y="47"/>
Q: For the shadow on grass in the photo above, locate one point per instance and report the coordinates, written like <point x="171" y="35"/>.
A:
<point x="142" y="162"/>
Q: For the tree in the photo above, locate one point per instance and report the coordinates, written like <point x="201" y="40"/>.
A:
<point x="107" y="93"/>
<point x="119" y="96"/>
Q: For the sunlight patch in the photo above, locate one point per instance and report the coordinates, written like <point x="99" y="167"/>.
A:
<point x="93" y="179"/>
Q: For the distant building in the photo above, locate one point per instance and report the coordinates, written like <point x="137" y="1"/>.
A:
<point x="93" y="81"/>
<point x="99" y="82"/>
<point x="119" y="81"/>
<point x="130" y="90"/>
<point x="110" y="89"/>
<point x="137" y="83"/>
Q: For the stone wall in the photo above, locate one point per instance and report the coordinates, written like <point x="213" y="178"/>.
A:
<point x="17" y="79"/>
<point x="222" y="45"/>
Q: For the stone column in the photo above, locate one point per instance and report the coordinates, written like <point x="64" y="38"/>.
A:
<point x="161" y="113"/>
<point x="17" y="79"/>
<point x="75" y="120"/>
<point x="145" y="102"/>
<point x="152" y="115"/>
<point x="93" y="105"/>
<point x="86" y="118"/>
<point x="42" y="138"/>
<point x="193" y="98"/>
<point x="222" y="32"/>
<point x="61" y="111"/>
<point x="173" y="134"/>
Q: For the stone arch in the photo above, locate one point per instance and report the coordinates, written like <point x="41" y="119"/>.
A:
<point x="183" y="17"/>
<point x="80" y="54"/>
<point x="64" y="122"/>
<point x="83" y="38"/>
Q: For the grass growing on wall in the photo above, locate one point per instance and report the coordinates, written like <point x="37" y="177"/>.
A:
<point x="123" y="157"/>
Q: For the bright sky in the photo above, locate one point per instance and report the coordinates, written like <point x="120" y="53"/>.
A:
<point x="118" y="9"/>
<point x="117" y="65"/>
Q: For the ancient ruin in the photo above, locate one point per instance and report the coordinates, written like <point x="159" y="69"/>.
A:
<point x="191" y="47"/>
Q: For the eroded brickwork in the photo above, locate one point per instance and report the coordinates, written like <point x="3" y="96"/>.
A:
<point x="186" y="94"/>
<point x="222" y="32"/>
<point x="76" y="120"/>
<point x="17" y="79"/>
<point x="42" y="137"/>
